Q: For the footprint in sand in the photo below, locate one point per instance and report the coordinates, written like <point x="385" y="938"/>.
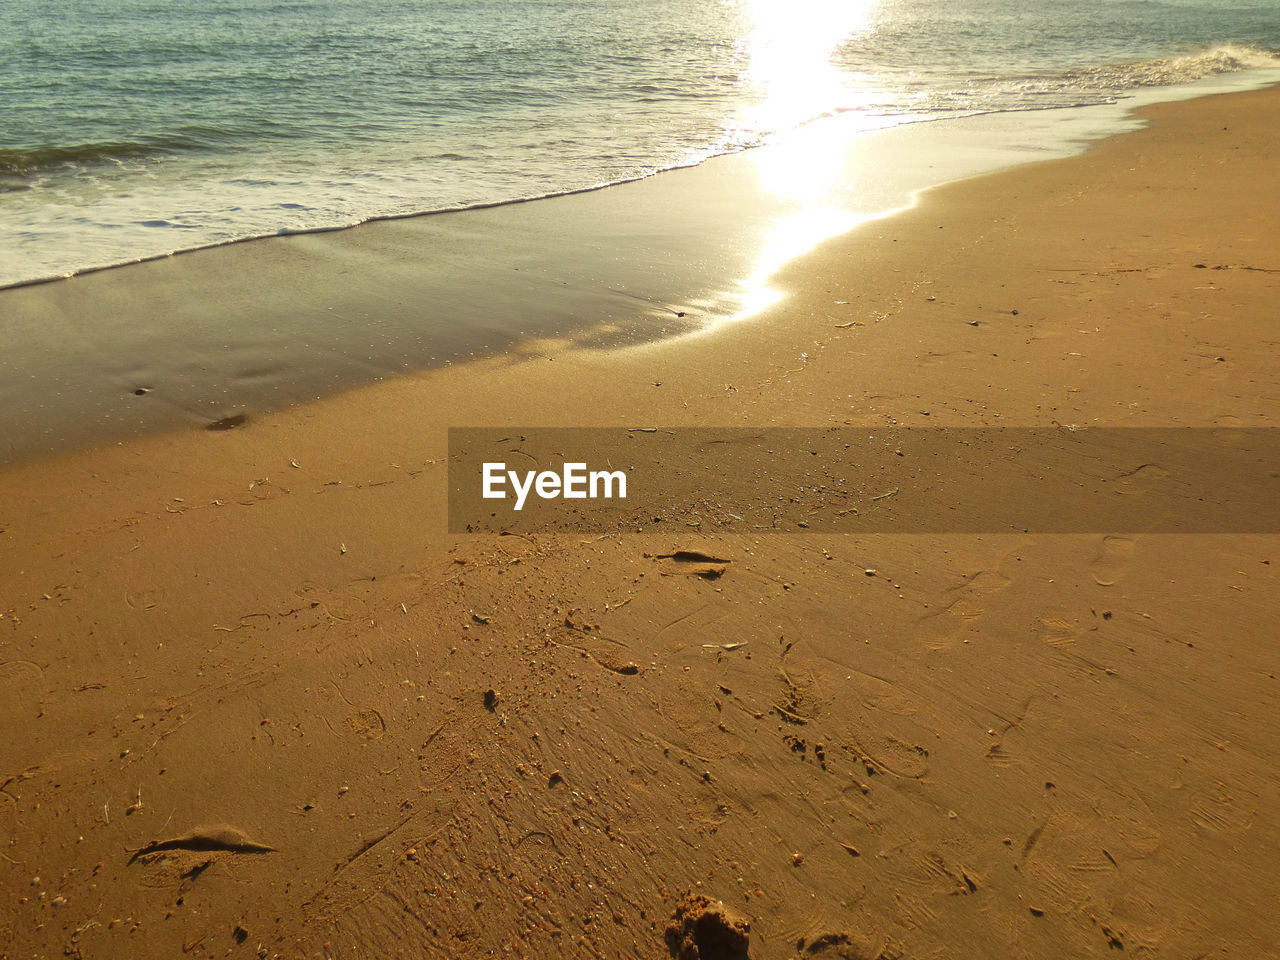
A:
<point x="367" y="724"/>
<point x="847" y="945"/>
<point x="1146" y="481"/>
<point x="1046" y="859"/>
<point x="878" y="694"/>
<point x="961" y="606"/>
<point x="968" y="598"/>
<point x="144" y="598"/>
<point x="1006" y="749"/>
<point x="1058" y="631"/>
<point x="1215" y="811"/>
<point x="1113" y="560"/>
<point x="889" y="754"/>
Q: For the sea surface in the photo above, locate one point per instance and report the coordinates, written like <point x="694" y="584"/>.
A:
<point x="131" y="129"/>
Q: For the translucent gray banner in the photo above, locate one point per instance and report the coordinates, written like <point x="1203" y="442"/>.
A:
<point x="865" y="480"/>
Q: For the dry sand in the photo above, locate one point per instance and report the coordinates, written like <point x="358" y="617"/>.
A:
<point x="258" y="703"/>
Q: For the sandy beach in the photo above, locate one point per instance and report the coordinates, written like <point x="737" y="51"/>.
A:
<point x="260" y="702"/>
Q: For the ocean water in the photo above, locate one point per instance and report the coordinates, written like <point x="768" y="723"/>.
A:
<point x="134" y="128"/>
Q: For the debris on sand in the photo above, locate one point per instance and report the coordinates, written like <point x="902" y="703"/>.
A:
<point x="218" y="837"/>
<point x="705" y="929"/>
<point x="691" y="556"/>
<point x="694" y="563"/>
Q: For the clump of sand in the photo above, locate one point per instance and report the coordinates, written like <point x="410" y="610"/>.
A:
<point x="705" y="929"/>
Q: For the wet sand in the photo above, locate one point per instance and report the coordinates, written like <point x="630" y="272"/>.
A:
<point x="219" y="642"/>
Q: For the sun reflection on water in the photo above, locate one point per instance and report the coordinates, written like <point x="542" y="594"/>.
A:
<point x="789" y="48"/>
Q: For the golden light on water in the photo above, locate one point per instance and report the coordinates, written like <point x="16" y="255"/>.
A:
<point x="789" y="45"/>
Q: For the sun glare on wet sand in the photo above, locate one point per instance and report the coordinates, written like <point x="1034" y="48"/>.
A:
<point x="789" y="48"/>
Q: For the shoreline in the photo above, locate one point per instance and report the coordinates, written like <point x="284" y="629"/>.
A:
<point x="1176" y="92"/>
<point x="983" y="745"/>
<point x="214" y="334"/>
<point x="1237" y="78"/>
<point x="380" y="218"/>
